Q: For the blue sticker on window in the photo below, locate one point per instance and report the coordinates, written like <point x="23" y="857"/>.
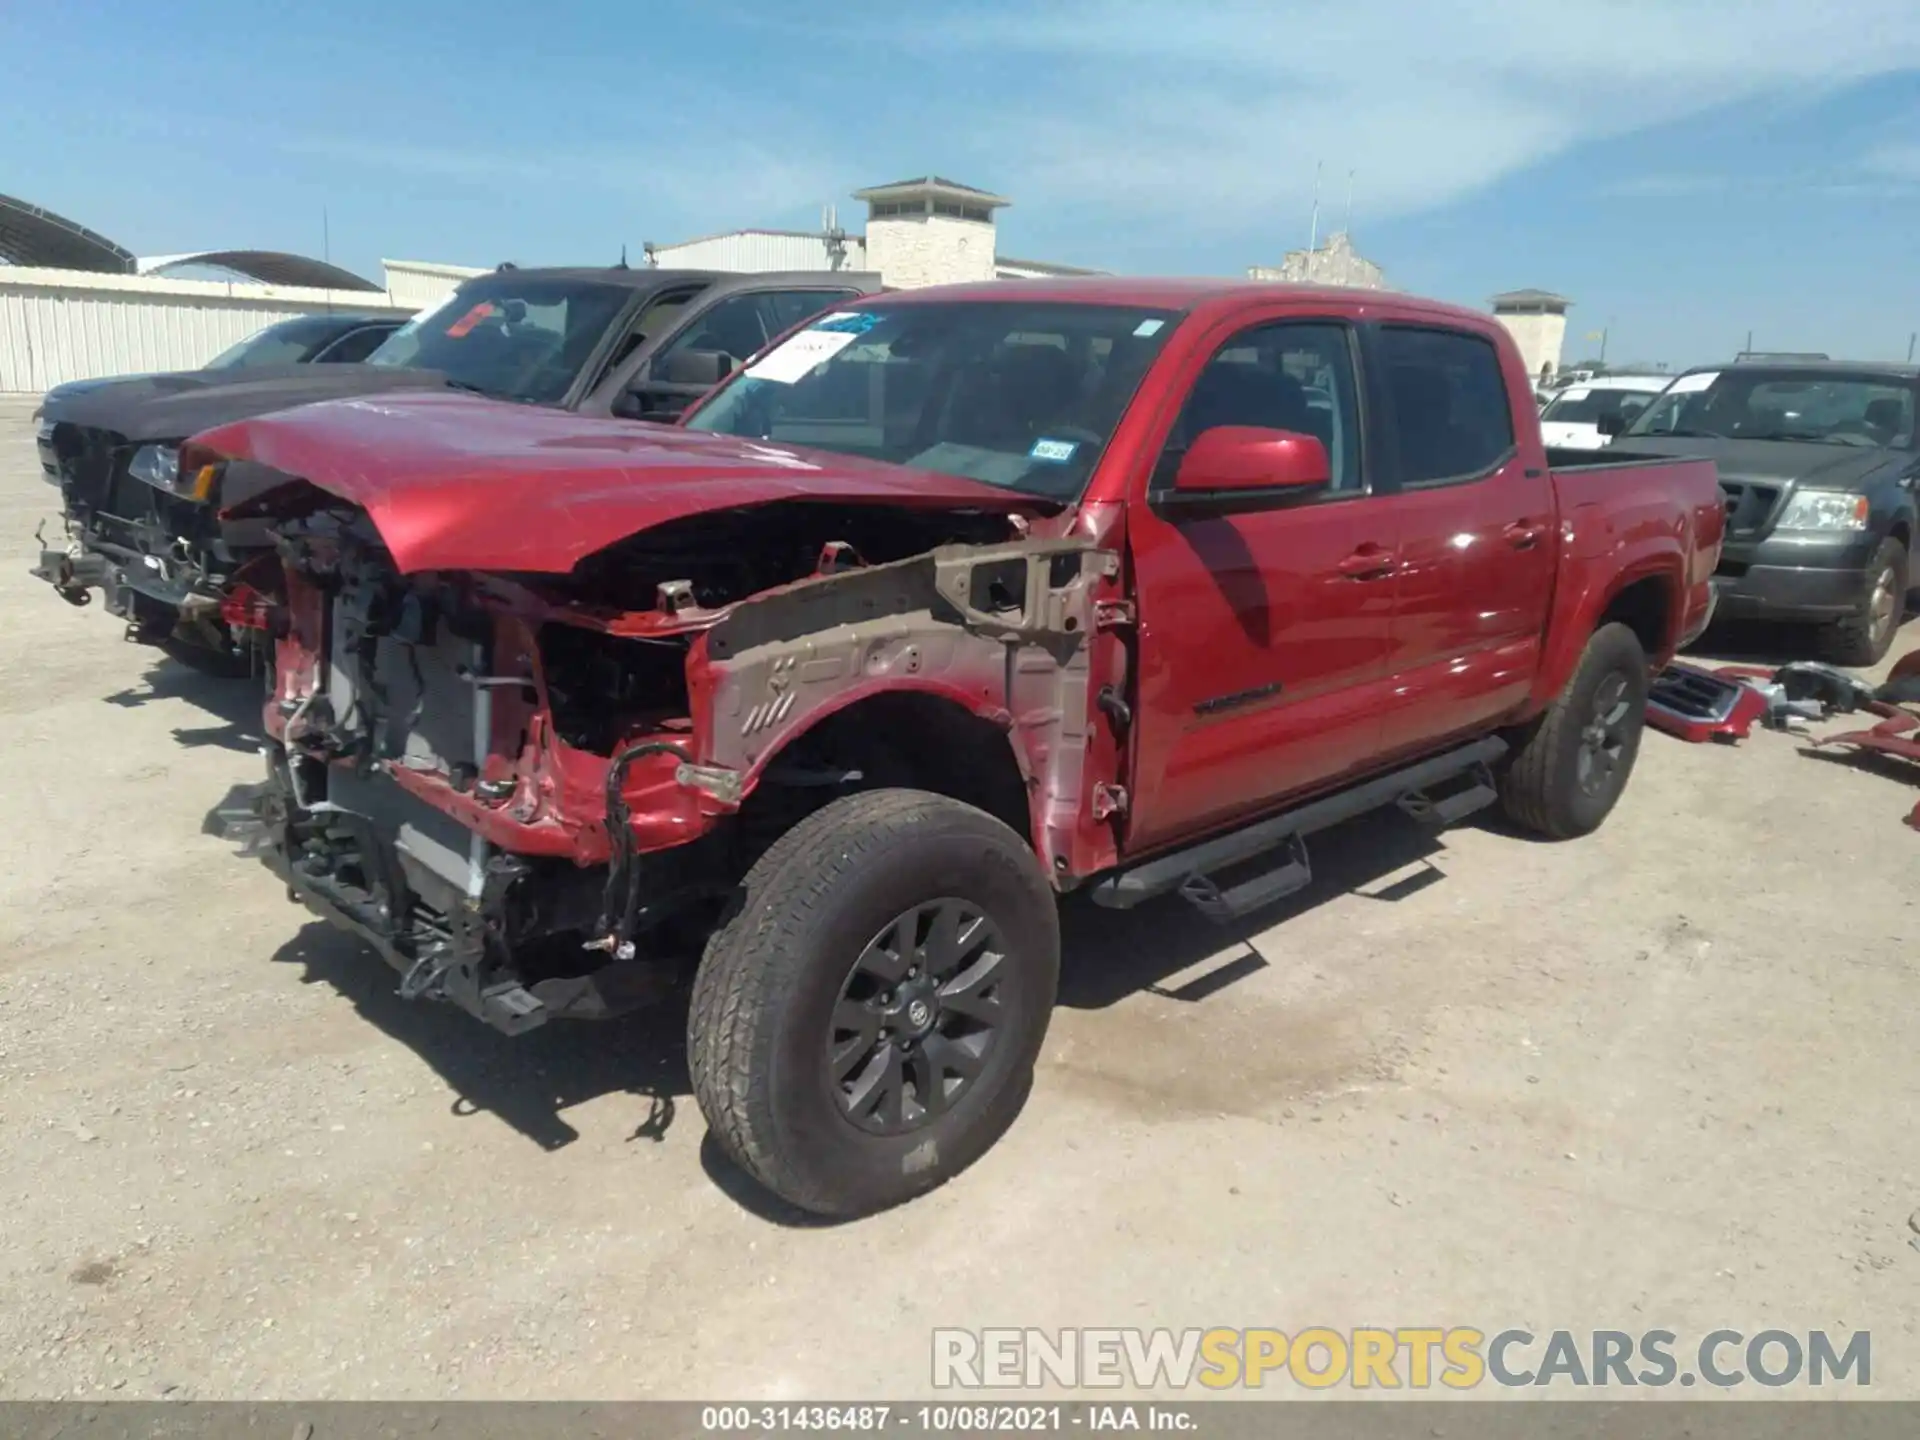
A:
<point x="1056" y="452"/>
<point x="846" y="322"/>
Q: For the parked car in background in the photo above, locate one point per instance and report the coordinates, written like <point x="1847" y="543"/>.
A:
<point x="304" y="340"/>
<point x="1819" y="466"/>
<point x="1588" y="415"/>
<point x="952" y="601"/>
<point x="145" y="531"/>
<point x="310" y="340"/>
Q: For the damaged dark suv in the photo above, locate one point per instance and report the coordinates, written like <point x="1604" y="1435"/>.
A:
<point x="143" y="528"/>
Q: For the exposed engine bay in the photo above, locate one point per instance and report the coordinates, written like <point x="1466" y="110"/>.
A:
<point x="522" y="789"/>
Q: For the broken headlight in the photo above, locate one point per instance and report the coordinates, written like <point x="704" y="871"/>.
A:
<point x="159" y="466"/>
<point x="1824" y="510"/>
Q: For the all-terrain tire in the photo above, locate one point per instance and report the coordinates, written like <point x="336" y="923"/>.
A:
<point x="765" y="996"/>
<point x="1546" y="786"/>
<point x="1864" y="637"/>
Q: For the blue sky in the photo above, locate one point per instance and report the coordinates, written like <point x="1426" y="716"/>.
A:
<point x="1686" y="170"/>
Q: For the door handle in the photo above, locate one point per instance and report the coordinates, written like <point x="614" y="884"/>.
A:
<point x="1525" y="534"/>
<point x="1369" y="562"/>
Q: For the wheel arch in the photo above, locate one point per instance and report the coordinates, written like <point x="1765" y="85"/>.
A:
<point x="923" y="735"/>
<point x="1647" y="598"/>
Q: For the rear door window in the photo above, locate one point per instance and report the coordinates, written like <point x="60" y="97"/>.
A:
<point x="787" y="308"/>
<point x="354" y="346"/>
<point x="740" y="324"/>
<point x="1448" y="411"/>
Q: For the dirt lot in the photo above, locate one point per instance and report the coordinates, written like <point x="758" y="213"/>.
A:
<point x="1663" y="1077"/>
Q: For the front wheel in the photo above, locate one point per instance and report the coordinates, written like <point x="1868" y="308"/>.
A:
<point x="865" y="1026"/>
<point x="1864" y="637"/>
<point x="1572" y="767"/>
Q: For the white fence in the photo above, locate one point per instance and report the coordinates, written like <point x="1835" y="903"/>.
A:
<point x="60" y="325"/>
<point x="417" y="284"/>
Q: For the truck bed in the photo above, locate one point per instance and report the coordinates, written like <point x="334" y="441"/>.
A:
<point x="1560" y="460"/>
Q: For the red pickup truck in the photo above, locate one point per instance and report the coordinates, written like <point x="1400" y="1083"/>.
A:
<point x="941" y="607"/>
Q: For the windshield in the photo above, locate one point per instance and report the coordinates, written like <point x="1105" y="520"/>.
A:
<point x="288" y="343"/>
<point x="1581" y="406"/>
<point x="509" y="337"/>
<point x="1814" y="406"/>
<point x="1020" y="394"/>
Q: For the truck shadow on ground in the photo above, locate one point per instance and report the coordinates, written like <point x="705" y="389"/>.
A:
<point x="530" y="1082"/>
<point x="527" y="1081"/>
<point x="1108" y="955"/>
<point x="233" y="703"/>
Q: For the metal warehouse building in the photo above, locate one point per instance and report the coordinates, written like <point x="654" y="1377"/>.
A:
<point x="73" y="304"/>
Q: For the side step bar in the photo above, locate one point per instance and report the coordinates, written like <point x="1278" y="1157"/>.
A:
<point x="1282" y="838"/>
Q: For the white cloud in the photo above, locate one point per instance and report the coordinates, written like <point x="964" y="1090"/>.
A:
<point x="1183" y="114"/>
<point x="1885" y="174"/>
<point x="1128" y="129"/>
<point x="749" y="177"/>
<point x="734" y="178"/>
<point x="1894" y="162"/>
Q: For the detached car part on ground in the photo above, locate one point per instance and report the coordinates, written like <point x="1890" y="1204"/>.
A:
<point x="1897" y="703"/>
<point x="1699" y="704"/>
<point x="143" y="528"/>
<point x="947" y="605"/>
<point x="1819" y="462"/>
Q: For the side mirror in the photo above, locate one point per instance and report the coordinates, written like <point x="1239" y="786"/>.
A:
<point x="693" y="367"/>
<point x="1243" y="462"/>
<point x="1612" y="425"/>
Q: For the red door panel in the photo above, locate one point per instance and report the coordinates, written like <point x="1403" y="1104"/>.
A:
<point x="1470" y="601"/>
<point x="1262" y="664"/>
<point x="1475" y="516"/>
<point x="1263" y="632"/>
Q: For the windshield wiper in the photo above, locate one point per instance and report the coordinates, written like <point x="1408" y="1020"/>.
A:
<point x="1813" y="437"/>
<point x="472" y="389"/>
<point x="1679" y="435"/>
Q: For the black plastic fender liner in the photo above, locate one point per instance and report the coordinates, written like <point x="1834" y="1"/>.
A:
<point x="1129" y="887"/>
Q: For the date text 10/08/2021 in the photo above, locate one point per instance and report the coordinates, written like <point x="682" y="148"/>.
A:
<point x="945" y="1419"/>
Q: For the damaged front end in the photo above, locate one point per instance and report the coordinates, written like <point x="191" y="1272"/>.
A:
<point x="535" y="794"/>
<point x="141" y="526"/>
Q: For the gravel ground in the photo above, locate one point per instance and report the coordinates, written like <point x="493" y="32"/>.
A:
<point x="1661" y="1077"/>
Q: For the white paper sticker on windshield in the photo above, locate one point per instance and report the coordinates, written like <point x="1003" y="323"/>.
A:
<point x="1687" y="384"/>
<point x="1148" y="327"/>
<point x="799" y="355"/>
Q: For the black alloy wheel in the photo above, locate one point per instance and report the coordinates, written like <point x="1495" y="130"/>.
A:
<point x="1604" y="738"/>
<point x="917" y="1017"/>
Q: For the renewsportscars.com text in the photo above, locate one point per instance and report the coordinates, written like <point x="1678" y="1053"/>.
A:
<point x="1410" y="1358"/>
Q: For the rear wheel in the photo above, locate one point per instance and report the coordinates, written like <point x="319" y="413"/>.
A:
<point x="1571" y="768"/>
<point x="1865" y="636"/>
<point x="866" y="1025"/>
